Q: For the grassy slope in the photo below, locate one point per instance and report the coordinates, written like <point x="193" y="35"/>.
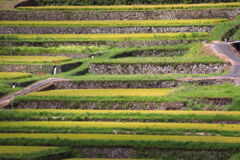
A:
<point x="120" y="115"/>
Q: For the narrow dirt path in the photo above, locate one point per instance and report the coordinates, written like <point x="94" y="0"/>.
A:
<point x="9" y="4"/>
<point x="32" y="88"/>
<point x="226" y="52"/>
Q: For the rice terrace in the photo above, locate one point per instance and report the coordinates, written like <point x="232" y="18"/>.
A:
<point x="120" y="79"/>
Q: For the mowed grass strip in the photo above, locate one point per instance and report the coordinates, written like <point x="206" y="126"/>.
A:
<point x="33" y="59"/>
<point x="13" y="75"/>
<point x="117" y="23"/>
<point x="30" y="50"/>
<point x="125" y="125"/>
<point x="104" y="92"/>
<point x="22" y="149"/>
<point x="137" y="7"/>
<point x="111" y="137"/>
<point x="120" y="115"/>
<point x="105" y="37"/>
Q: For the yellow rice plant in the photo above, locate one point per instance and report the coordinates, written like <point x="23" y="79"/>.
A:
<point x="181" y="22"/>
<point x="178" y="112"/>
<point x="32" y="59"/>
<point x="22" y="149"/>
<point x="206" y="139"/>
<point x="13" y="75"/>
<point x="104" y="92"/>
<point x="129" y="125"/>
<point x="106" y="37"/>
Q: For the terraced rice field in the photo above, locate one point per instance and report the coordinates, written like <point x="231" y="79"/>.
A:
<point x="22" y="149"/>
<point x="105" y="92"/>
<point x="119" y="81"/>
<point x="13" y="75"/>
<point x="32" y="59"/>
<point x="104" y="37"/>
<point x="168" y="23"/>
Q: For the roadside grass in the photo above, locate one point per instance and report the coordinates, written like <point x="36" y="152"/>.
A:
<point x="117" y="23"/>
<point x="136" y="7"/>
<point x="105" y="37"/>
<point x="6" y="88"/>
<point x="225" y="30"/>
<point x="236" y="36"/>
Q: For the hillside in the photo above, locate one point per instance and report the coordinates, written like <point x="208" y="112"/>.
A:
<point x="79" y="81"/>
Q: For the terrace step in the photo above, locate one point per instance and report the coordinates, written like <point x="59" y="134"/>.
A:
<point x="136" y="128"/>
<point x="119" y="44"/>
<point x="220" y="117"/>
<point x="155" y="68"/>
<point x="117" y="15"/>
<point x="100" y="30"/>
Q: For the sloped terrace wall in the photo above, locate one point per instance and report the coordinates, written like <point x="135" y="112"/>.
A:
<point x="199" y="68"/>
<point x="119" y="44"/>
<point x="125" y="152"/>
<point x="98" y="30"/>
<point x="118" y="15"/>
<point x="52" y="104"/>
<point x="115" y="84"/>
<point x="151" y="53"/>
